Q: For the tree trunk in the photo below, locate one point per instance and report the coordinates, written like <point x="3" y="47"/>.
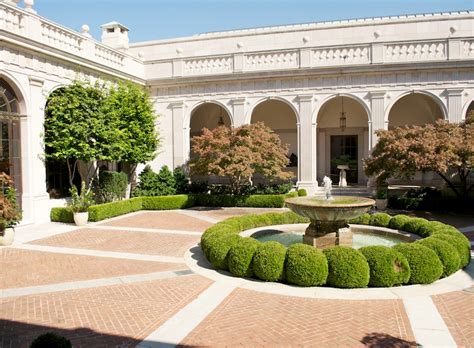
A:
<point x="88" y="171"/>
<point x="130" y="170"/>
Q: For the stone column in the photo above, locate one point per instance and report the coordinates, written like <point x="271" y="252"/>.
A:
<point x="377" y="106"/>
<point x="180" y="149"/>
<point x="306" y="145"/>
<point x="34" y="195"/>
<point x="238" y="111"/>
<point x="454" y="97"/>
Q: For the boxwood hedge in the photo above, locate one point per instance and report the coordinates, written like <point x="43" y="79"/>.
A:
<point x="380" y="219"/>
<point x="398" y="221"/>
<point x="447" y="254"/>
<point x="347" y="268"/>
<point x="425" y="265"/>
<point x="269" y="261"/>
<point x="240" y="257"/>
<point x="305" y="265"/>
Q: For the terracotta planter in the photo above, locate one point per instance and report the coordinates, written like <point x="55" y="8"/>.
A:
<point x="381" y="204"/>
<point x="7" y="237"/>
<point x="81" y="218"/>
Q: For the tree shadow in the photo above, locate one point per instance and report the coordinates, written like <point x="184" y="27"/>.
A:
<point x="377" y="339"/>
<point x="20" y="334"/>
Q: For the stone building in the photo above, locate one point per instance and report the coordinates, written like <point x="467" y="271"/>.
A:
<point x="325" y="87"/>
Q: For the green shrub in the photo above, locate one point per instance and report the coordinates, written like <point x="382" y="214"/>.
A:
<point x="168" y="202"/>
<point x="380" y="219"/>
<point x="219" y="249"/>
<point x="364" y="219"/>
<point x="61" y="214"/>
<point x="429" y="227"/>
<point x="302" y="193"/>
<point x="447" y="254"/>
<point x="181" y="181"/>
<point x="108" y="210"/>
<point x="305" y="265"/>
<point x="269" y="261"/>
<point x="347" y="268"/>
<point x="50" y="340"/>
<point x="112" y="186"/>
<point x="459" y="243"/>
<point x="240" y="257"/>
<point x="424" y="264"/>
<point x="398" y="221"/>
<point x="255" y="201"/>
<point x="387" y="266"/>
<point x="214" y="232"/>
<point x="153" y="184"/>
<point x="452" y="231"/>
<point x="414" y="224"/>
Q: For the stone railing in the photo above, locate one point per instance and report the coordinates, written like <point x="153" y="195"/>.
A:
<point x="415" y="51"/>
<point x="467" y="48"/>
<point x="271" y="61"/>
<point x="216" y="65"/>
<point x="341" y="55"/>
<point x="51" y="35"/>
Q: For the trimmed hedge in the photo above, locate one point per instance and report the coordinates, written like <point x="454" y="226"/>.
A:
<point x="398" y="221"/>
<point x="253" y="201"/>
<point x="387" y="266"/>
<point x="61" y="214"/>
<point x="380" y="219"/>
<point x="424" y="264"/>
<point x="302" y="193"/>
<point x="458" y="242"/>
<point x="305" y="265"/>
<point x="414" y="224"/>
<point x="347" y="268"/>
<point x="240" y="257"/>
<point x="364" y="219"/>
<point x="108" y="210"/>
<point x="269" y="261"/>
<point x="219" y="249"/>
<point x="447" y="254"/>
<point x="168" y="202"/>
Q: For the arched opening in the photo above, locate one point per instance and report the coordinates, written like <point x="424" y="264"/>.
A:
<point x="415" y="109"/>
<point x="342" y="135"/>
<point x="282" y="119"/>
<point x="57" y="173"/>
<point x="470" y="111"/>
<point x="10" y="160"/>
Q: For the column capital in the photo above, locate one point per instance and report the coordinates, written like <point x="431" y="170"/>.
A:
<point x="305" y="98"/>
<point x="239" y="101"/>
<point x="454" y="91"/>
<point x="36" y="81"/>
<point x="176" y="104"/>
<point x="377" y="94"/>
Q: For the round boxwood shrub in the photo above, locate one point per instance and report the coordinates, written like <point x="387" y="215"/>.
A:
<point x="425" y="265"/>
<point x="347" y="268"/>
<point x="428" y="228"/>
<point x="380" y="219"/>
<point x="459" y="244"/>
<point x="305" y="265"/>
<point x="269" y="261"/>
<point x="447" y="254"/>
<point x="302" y="193"/>
<point x="398" y="221"/>
<point x="387" y="266"/>
<point x="414" y="224"/>
<point x="50" y="340"/>
<point x="364" y="219"/>
<point x="214" y="232"/>
<point x="219" y="249"/>
<point x="240" y="257"/>
<point x="452" y="231"/>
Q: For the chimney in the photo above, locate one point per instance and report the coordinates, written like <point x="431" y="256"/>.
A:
<point x="115" y="35"/>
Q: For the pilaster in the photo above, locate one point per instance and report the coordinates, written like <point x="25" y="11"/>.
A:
<point x="306" y="145"/>
<point x="179" y="152"/>
<point x="238" y="106"/>
<point x="377" y="106"/>
<point x="454" y="98"/>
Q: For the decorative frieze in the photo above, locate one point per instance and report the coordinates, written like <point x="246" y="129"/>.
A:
<point x="206" y="66"/>
<point x="417" y="51"/>
<point x="270" y="61"/>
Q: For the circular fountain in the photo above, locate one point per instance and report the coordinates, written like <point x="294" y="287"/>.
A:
<point x="329" y="216"/>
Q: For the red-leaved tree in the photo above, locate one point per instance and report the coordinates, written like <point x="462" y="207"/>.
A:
<point x="444" y="148"/>
<point x="239" y="153"/>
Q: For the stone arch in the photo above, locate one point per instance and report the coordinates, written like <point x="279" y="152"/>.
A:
<point x="418" y="101"/>
<point x="248" y="117"/>
<point x="20" y="93"/>
<point x="196" y="106"/>
<point x="468" y="107"/>
<point x="335" y="145"/>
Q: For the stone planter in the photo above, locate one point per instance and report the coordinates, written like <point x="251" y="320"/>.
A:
<point x="6" y="237"/>
<point x="81" y="218"/>
<point x="381" y="204"/>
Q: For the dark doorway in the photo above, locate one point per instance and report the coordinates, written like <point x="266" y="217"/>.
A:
<point x="344" y="151"/>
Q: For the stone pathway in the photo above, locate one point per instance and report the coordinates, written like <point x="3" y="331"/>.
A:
<point x="140" y="281"/>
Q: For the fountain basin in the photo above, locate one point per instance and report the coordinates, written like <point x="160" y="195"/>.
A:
<point x="329" y="218"/>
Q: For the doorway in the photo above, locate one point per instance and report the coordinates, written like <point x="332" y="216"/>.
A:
<point x="344" y="151"/>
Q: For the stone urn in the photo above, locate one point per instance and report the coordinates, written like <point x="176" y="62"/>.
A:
<point x="81" y="218"/>
<point x="7" y="236"/>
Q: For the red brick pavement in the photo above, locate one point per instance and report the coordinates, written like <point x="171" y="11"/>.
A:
<point x="149" y="243"/>
<point x="21" y="268"/>
<point x="120" y="315"/>
<point x="457" y="310"/>
<point x="161" y="220"/>
<point x="248" y="318"/>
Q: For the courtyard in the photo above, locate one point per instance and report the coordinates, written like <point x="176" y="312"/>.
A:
<point x="140" y="280"/>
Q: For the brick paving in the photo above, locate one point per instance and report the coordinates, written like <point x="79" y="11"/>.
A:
<point x="457" y="310"/>
<point x="161" y="220"/>
<point x="249" y="318"/>
<point x="149" y="243"/>
<point x="120" y="315"/>
<point x="22" y="268"/>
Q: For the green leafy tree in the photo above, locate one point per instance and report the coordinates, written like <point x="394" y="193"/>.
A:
<point x="75" y="129"/>
<point x="444" y="148"/>
<point x="239" y="154"/>
<point x="131" y="118"/>
<point x="155" y="184"/>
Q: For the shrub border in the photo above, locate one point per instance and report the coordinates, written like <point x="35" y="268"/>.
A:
<point x="236" y="225"/>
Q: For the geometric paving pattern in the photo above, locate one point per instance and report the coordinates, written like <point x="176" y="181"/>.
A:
<point x="119" y="315"/>
<point x="250" y="318"/>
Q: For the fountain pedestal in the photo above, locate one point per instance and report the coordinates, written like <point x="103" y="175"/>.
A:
<point x="326" y="234"/>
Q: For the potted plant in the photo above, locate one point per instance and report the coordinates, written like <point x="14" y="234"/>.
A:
<point x="381" y="198"/>
<point x="10" y="213"/>
<point x="80" y="203"/>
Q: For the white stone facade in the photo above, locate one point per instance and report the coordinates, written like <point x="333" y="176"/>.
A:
<point x="426" y="61"/>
